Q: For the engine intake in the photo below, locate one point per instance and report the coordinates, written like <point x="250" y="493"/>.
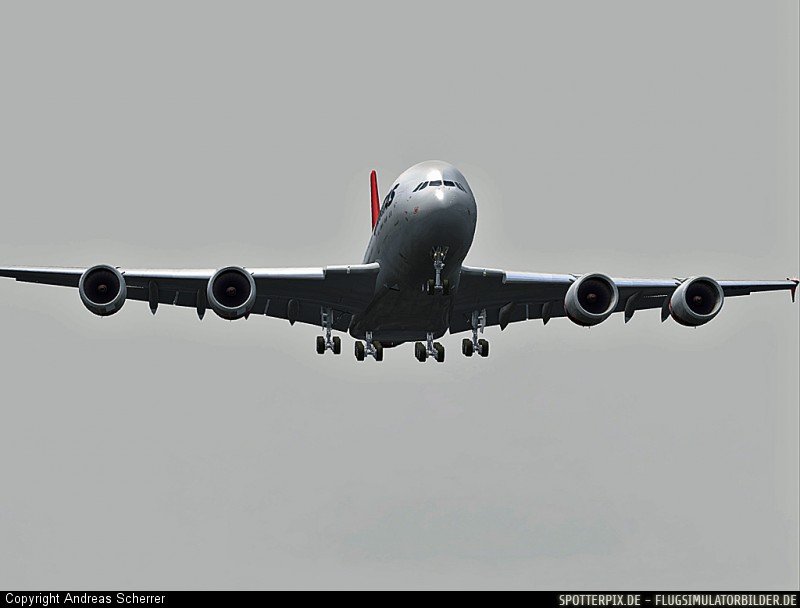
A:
<point x="231" y="292"/>
<point x="102" y="289"/>
<point x="696" y="301"/>
<point x="591" y="299"/>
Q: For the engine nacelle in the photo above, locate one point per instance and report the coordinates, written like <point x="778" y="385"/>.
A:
<point x="591" y="299"/>
<point x="696" y="301"/>
<point x="231" y="292"/>
<point x="102" y="289"/>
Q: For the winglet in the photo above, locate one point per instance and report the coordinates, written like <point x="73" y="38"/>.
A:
<point x="373" y="191"/>
<point x="793" y="290"/>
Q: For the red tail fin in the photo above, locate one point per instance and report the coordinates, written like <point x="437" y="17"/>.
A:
<point x="373" y="190"/>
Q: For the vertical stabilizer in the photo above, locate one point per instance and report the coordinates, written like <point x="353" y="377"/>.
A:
<point x="373" y="191"/>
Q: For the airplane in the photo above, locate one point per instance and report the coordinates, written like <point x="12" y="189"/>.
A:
<point x="412" y="285"/>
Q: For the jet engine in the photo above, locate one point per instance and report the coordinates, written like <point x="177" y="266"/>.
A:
<point x="696" y="301"/>
<point x="102" y="289"/>
<point x="591" y="299"/>
<point x="231" y="292"/>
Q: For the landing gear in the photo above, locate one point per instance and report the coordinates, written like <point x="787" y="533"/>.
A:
<point x="437" y="285"/>
<point x="372" y="348"/>
<point x="468" y="347"/>
<point x="327" y="342"/>
<point x="431" y="348"/>
<point x="432" y="289"/>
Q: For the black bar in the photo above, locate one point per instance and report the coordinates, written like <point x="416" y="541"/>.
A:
<point x="559" y="599"/>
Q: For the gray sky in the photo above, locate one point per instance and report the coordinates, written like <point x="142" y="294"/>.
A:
<point x="633" y="138"/>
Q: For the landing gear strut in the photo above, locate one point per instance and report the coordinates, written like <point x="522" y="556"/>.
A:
<point x="369" y="347"/>
<point x="468" y="347"/>
<point x="430" y="348"/>
<point x="326" y="342"/>
<point x="437" y="285"/>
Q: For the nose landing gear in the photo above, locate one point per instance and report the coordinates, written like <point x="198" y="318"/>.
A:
<point x="369" y="347"/>
<point x="326" y="342"/>
<point x="437" y="285"/>
<point x="430" y="348"/>
<point x="468" y="347"/>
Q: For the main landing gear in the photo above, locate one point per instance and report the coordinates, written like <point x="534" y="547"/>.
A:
<point x="369" y="347"/>
<point x="468" y="347"/>
<point x="326" y="342"/>
<point x="430" y="348"/>
<point x="437" y="285"/>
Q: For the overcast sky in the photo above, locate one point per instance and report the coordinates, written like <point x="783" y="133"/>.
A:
<point x="632" y="138"/>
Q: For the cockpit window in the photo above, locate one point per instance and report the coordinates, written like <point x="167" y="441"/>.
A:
<point x="438" y="182"/>
<point x="390" y="197"/>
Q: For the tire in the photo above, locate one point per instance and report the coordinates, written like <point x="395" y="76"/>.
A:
<point x="378" y="351"/>
<point x="467" y="347"/>
<point x="446" y="287"/>
<point x="439" y="352"/>
<point x="359" y="350"/>
<point x="337" y="345"/>
<point x="431" y="287"/>
<point x="484" y="344"/>
<point x="419" y="352"/>
<point x="320" y="345"/>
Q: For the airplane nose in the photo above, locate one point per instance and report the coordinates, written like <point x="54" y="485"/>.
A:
<point x="447" y="198"/>
<point x="447" y="217"/>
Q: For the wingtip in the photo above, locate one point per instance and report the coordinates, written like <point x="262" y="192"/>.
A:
<point x="793" y="289"/>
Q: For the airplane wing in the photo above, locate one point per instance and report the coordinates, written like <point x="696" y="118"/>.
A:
<point x="508" y="297"/>
<point x="296" y="294"/>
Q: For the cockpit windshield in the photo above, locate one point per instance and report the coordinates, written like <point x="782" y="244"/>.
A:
<point x="438" y="183"/>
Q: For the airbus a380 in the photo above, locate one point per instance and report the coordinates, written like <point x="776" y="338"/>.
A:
<point x="411" y="285"/>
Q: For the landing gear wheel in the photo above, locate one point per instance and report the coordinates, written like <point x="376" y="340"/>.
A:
<point x="484" y="347"/>
<point x="359" y="348"/>
<point x="337" y="345"/>
<point x="320" y="345"/>
<point x="439" y="352"/>
<point x="378" y="351"/>
<point x="467" y="348"/>
<point x="420" y="353"/>
<point x="430" y="287"/>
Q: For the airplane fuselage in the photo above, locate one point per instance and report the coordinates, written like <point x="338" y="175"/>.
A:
<point x="429" y="207"/>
